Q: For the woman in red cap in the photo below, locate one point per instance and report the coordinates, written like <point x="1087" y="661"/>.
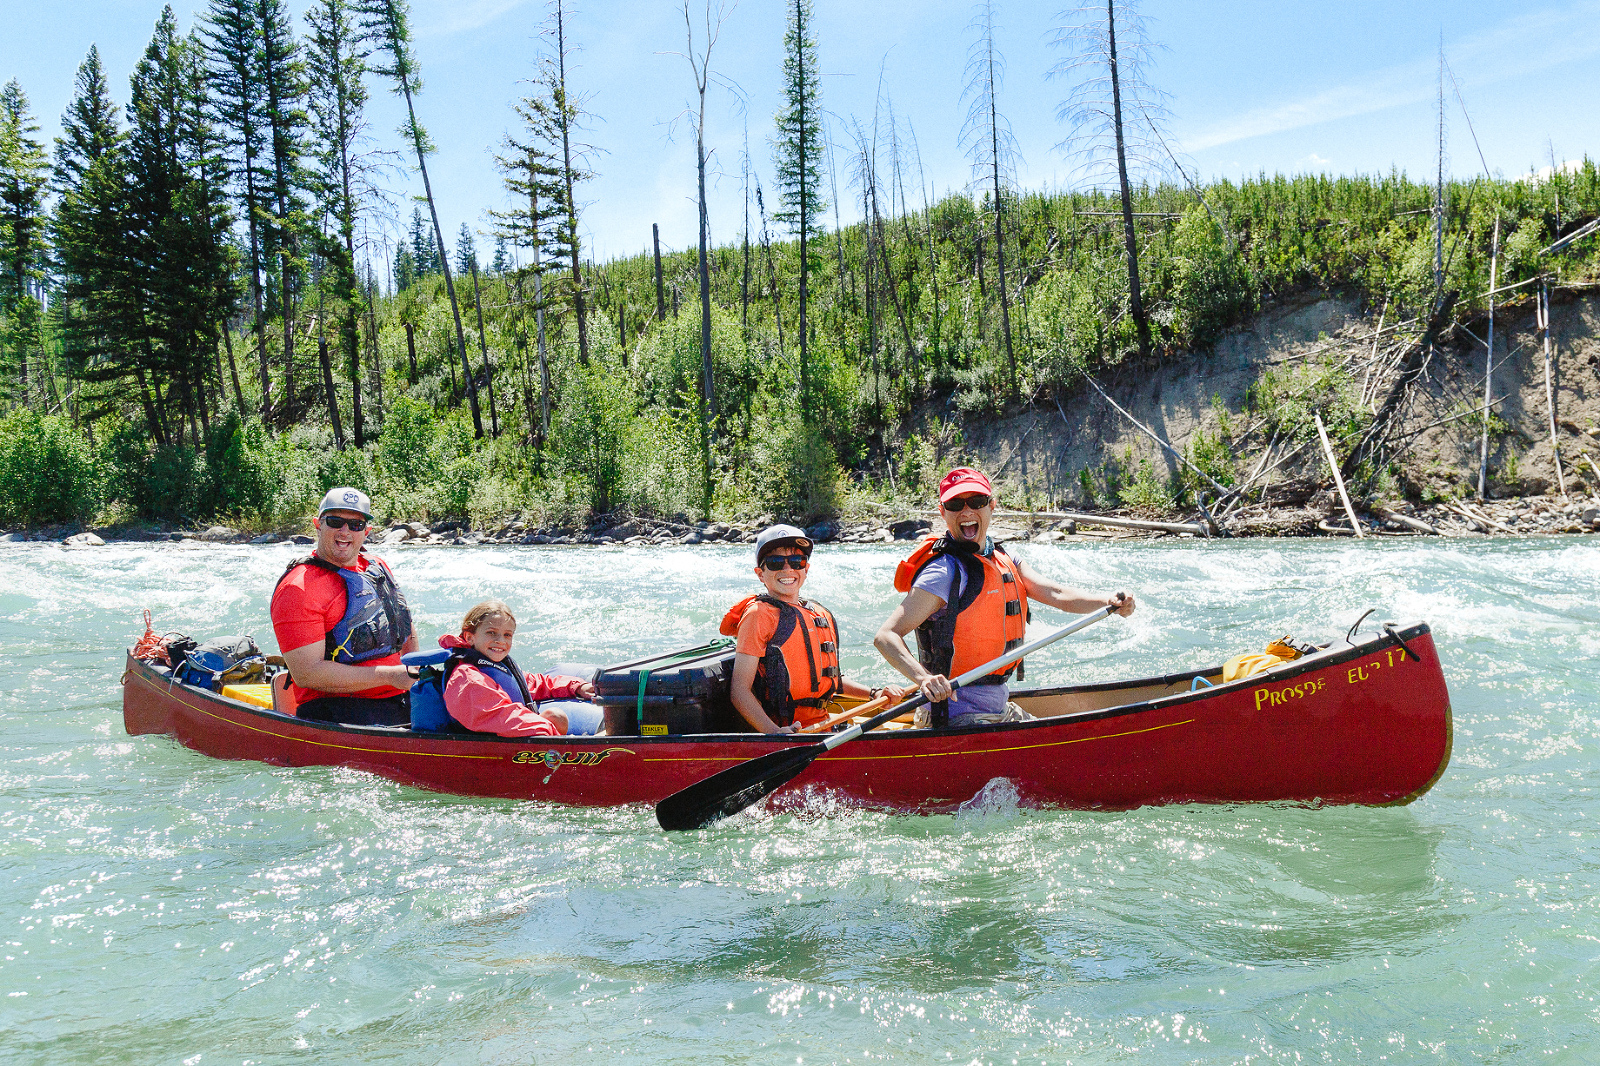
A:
<point x="967" y="601"/>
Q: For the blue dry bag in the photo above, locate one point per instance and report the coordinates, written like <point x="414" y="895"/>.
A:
<point x="427" y="694"/>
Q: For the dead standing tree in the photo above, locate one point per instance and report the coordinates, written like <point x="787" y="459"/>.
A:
<point x="699" y="58"/>
<point x="986" y="137"/>
<point x="1113" y="113"/>
<point x="387" y="24"/>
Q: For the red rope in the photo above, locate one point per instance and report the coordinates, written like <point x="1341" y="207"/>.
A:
<point x="152" y="647"/>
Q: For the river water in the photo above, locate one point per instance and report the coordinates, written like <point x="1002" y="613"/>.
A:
<point x="158" y="906"/>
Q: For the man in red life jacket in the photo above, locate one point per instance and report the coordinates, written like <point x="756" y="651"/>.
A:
<point x="967" y="601"/>
<point x="342" y="623"/>
<point x="786" y="661"/>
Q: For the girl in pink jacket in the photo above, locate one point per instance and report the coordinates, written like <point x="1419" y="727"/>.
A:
<point x="486" y="692"/>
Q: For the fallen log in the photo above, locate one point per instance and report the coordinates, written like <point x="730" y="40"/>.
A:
<point x="1109" y="521"/>
<point x="1406" y="520"/>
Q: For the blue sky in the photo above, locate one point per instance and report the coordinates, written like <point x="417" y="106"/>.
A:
<point x="1290" y="86"/>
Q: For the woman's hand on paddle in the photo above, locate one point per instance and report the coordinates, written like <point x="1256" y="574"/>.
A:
<point x="1121" y="603"/>
<point x="935" y="687"/>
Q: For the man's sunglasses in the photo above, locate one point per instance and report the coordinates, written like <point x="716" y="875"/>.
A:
<point x="977" y="503"/>
<point x="334" y="521"/>
<point x="778" y="562"/>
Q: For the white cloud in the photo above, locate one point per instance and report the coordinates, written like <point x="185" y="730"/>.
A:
<point x="466" y="16"/>
<point x="1571" y="166"/>
<point x="1520" y="46"/>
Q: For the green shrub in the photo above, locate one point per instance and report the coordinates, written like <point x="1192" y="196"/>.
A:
<point x="662" y="464"/>
<point x="1212" y="455"/>
<point x="1211" y="285"/>
<point x="48" y="471"/>
<point x="795" y="469"/>
<point x="591" y="429"/>
<point x="1147" y="490"/>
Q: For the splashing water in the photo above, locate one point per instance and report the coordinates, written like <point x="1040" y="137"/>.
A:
<point x="997" y="798"/>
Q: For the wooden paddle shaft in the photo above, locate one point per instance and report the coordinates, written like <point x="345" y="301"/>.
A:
<point x="843" y="716"/>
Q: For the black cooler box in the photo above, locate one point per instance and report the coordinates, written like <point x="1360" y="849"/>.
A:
<point x="683" y="692"/>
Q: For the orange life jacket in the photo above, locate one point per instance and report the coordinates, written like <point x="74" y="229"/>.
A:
<point x="798" y="675"/>
<point x="987" y="619"/>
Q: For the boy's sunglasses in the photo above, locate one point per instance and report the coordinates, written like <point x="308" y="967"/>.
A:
<point x="778" y="562"/>
<point x="977" y="503"/>
<point x="334" y="521"/>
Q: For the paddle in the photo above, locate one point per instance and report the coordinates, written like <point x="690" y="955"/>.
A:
<point x="845" y="716"/>
<point x="732" y="790"/>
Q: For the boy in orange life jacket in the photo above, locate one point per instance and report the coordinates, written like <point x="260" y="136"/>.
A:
<point x="966" y="599"/>
<point x="786" y="663"/>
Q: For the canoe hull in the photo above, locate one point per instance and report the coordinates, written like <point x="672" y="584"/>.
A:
<point x="1369" y="725"/>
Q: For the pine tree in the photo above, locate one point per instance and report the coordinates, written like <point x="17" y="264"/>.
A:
<point x="531" y="164"/>
<point x="466" y="250"/>
<point x="216" y="259"/>
<point x="88" y="127"/>
<point x="700" y="67"/>
<point x="90" y="138"/>
<point x="24" y="175"/>
<point x="96" y="305"/>
<point x="799" y="160"/>
<point x="387" y="22"/>
<point x="233" y="61"/>
<point x="424" y="253"/>
<point x="283" y="88"/>
<point x="174" y="229"/>
<point x="405" y="269"/>
<point x="569" y="115"/>
<point x="338" y="100"/>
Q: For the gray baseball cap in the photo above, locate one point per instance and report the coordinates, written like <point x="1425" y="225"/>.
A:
<point x="781" y="536"/>
<point x="345" y="499"/>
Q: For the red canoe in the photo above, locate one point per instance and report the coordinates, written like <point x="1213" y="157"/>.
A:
<point x="1363" y="723"/>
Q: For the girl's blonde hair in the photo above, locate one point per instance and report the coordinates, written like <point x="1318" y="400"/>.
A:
<point x="484" y="610"/>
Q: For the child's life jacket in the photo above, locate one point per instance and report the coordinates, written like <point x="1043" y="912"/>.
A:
<point x="798" y="674"/>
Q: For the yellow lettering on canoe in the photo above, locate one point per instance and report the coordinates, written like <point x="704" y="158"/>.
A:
<point x="1301" y="690"/>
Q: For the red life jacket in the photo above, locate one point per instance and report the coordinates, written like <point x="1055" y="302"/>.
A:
<point x="987" y="619"/>
<point x="799" y="673"/>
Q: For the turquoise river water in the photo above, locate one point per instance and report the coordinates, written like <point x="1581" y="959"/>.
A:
<point x="159" y="906"/>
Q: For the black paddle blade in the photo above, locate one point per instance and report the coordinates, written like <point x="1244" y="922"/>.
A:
<point x="734" y="789"/>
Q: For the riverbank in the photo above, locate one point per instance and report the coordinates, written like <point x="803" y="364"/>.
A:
<point x="1525" y="516"/>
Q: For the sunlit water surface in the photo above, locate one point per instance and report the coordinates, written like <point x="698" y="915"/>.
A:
<point x="160" y="906"/>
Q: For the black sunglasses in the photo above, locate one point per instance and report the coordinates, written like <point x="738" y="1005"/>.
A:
<point x="977" y="503"/>
<point x="778" y="562"/>
<point x="335" y="521"/>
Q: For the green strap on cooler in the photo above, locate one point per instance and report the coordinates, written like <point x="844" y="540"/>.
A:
<point x="688" y="653"/>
